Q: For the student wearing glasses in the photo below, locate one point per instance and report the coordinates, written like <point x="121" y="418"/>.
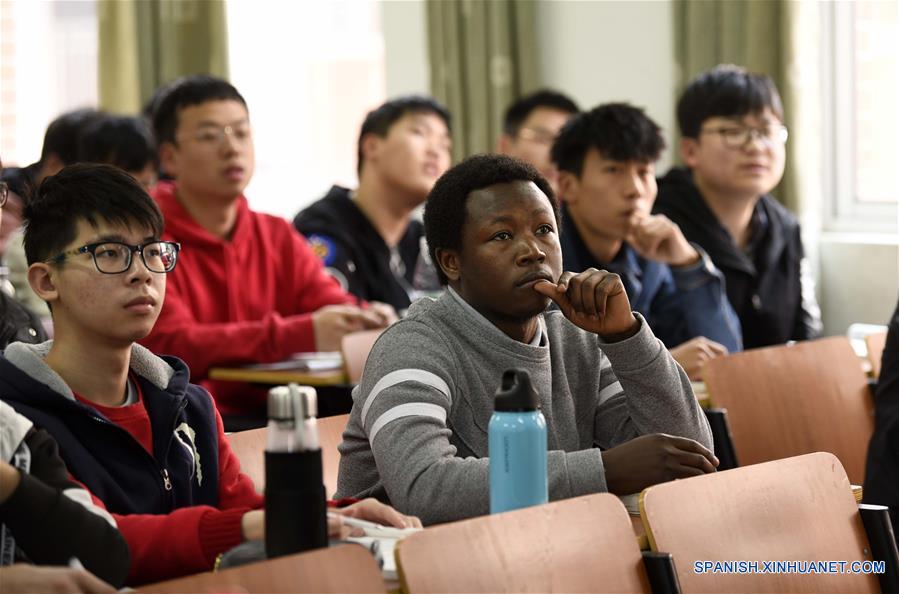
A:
<point x="249" y="288"/>
<point x="130" y="426"/>
<point x="530" y="127"/>
<point x="733" y="145"/>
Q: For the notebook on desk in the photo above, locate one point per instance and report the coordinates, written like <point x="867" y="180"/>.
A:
<point x="324" y="361"/>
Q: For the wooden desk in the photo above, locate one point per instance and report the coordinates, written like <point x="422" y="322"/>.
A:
<point x="333" y="377"/>
<point x="346" y="568"/>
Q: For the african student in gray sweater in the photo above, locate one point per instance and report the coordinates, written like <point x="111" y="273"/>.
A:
<point x="620" y="413"/>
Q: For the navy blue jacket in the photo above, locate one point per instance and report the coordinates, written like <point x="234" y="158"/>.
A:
<point x="678" y="303"/>
<point x="184" y="468"/>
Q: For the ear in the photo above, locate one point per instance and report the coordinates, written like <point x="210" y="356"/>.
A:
<point x="371" y="147"/>
<point x="569" y="185"/>
<point x="42" y="279"/>
<point x="168" y="160"/>
<point x="689" y="151"/>
<point x="448" y="260"/>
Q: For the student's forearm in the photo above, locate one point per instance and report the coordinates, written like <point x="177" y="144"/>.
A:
<point x="183" y="542"/>
<point x="38" y="514"/>
<point x="9" y="481"/>
<point x="657" y="396"/>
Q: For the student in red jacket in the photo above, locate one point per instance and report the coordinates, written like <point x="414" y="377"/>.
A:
<point x="130" y="426"/>
<point x="248" y="289"/>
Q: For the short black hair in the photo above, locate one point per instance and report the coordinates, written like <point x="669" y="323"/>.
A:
<point x="88" y="192"/>
<point x="379" y="121"/>
<point x="188" y="90"/>
<point x="123" y="141"/>
<point x="619" y="131"/>
<point x="725" y="91"/>
<point x="63" y="134"/>
<point x="445" y="208"/>
<point x="520" y="109"/>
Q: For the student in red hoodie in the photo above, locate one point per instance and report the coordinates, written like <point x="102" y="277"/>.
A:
<point x="130" y="426"/>
<point x="248" y="289"/>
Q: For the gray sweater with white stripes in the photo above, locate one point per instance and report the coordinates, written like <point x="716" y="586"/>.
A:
<point x="417" y="434"/>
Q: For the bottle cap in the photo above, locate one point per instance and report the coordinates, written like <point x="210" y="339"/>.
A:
<point x="516" y="393"/>
<point x="280" y="404"/>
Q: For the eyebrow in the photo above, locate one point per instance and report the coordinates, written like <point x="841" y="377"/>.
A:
<point x="120" y="238"/>
<point x="511" y="219"/>
<point x="211" y="124"/>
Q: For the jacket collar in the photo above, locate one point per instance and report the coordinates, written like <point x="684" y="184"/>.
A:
<point x="30" y="359"/>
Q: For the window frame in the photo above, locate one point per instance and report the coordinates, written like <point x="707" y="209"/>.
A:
<point x="843" y="211"/>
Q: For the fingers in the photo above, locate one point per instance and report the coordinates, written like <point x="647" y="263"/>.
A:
<point x="374" y="511"/>
<point x="692" y="453"/>
<point x="715" y="349"/>
<point x="589" y="292"/>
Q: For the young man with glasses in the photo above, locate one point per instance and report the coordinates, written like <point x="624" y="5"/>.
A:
<point x="530" y="127"/>
<point x="131" y="427"/>
<point x="249" y="289"/>
<point x="606" y="159"/>
<point x="733" y="144"/>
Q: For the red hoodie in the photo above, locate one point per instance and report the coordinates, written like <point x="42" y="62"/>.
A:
<point x="244" y="300"/>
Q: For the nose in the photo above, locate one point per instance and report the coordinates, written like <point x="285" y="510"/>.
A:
<point x="138" y="272"/>
<point x="756" y="141"/>
<point x="530" y="252"/>
<point x="634" y="186"/>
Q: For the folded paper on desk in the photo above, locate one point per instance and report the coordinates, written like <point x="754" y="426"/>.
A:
<point x="631" y="503"/>
<point x="325" y="361"/>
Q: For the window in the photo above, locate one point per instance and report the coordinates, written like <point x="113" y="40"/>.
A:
<point x="861" y="98"/>
<point x="48" y="65"/>
<point x="309" y="71"/>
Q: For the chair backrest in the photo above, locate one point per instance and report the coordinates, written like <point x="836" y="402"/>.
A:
<point x="249" y="447"/>
<point x="789" y="400"/>
<point x="584" y="544"/>
<point x="876" y="343"/>
<point x="355" y="348"/>
<point x="796" y="509"/>
<point x="347" y="568"/>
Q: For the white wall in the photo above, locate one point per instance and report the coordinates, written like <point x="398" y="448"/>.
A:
<point x="405" y="47"/>
<point x="611" y="51"/>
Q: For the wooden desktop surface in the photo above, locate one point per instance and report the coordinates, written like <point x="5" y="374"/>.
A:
<point x="332" y="377"/>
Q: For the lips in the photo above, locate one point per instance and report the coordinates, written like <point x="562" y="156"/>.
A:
<point x="431" y="169"/>
<point x="235" y="173"/>
<point x="534" y="276"/>
<point x="144" y="303"/>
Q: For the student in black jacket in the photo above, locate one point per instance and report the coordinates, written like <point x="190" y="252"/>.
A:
<point x="367" y="238"/>
<point x="46" y="518"/>
<point x="882" y="468"/>
<point x="733" y="139"/>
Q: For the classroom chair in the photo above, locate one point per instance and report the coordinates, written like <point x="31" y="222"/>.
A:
<point x="342" y="569"/>
<point x="796" y="509"/>
<point x="788" y="400"/>
<point x="355" y="348"/>
<point x="249" y="447"/>
<point x="585" y="544"/>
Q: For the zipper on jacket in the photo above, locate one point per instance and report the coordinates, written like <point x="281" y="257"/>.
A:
<point x="166" y="481"/>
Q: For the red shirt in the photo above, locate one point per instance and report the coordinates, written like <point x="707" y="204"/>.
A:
<point x="132" y="418"/>
<point x="248" y="299"/>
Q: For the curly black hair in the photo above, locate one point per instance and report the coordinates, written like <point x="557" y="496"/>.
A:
<point x="618" y="131"/>
<point x="445" y="210"/>
<point x="725" y="91"/>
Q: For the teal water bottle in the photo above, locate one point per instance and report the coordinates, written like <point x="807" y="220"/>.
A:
<point x="517" y="445"/>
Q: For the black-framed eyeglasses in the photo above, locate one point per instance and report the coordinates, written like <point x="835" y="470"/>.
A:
<point x="739" y="136"/>
<point x="114" y="257"/>
<point x="4" y="193"/>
